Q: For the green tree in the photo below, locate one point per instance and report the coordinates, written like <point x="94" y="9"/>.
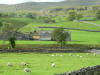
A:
<point x="60" y="36"/>
<point x="97" y="15"/>
<point x="31" y="15"/>
<point x="48" y="19"/>
<point x="71" y="15"/>
<point x="12" y="41"/>
<point x="9" y="30"/>
<point x="1" y="23"/>
<point x="78" y="16"/>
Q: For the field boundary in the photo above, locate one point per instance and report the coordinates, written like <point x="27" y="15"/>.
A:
<point x="45" y="51"/>
<point x="95" y="70"/>
<point x="73" y="29"/>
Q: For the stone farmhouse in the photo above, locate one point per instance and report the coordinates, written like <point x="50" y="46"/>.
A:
<point x="46" y="35"/>
<point x="39" y="36"/>
<point x="20" y="36"/>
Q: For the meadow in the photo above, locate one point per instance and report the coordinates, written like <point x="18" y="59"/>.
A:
<point x="78" y="37"/>
<point x="27" y="25"/>
<point x="40" y="64"/>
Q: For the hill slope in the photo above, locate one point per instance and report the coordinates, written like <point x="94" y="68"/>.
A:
<point x="42" y="5"/>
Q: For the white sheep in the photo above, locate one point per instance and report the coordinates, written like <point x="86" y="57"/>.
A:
<point x="81" y="56"/>
<point x="52" y="55"/>
<point x="27" y="70"/>
<point x="53" y="65"/>
<point x="56" y="55"/>
<point x="10" y="64"/>
<point x="8" y="48"/>
<point x="70" y="54"/>
<point x="23" y="64"/>
<point x="61" y="55"/>
<point x="94" y="54"/>
<point x="87" y="53"/>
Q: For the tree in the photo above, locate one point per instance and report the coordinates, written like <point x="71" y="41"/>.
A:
<point x="31" y="15"/>
<point x="97" y="15"/>
<point x="71" y="15"/>
<point x="48" y="19"/>
<point x="78" y="16"/>
<point x="1" y="23"/>
<point x="12" y="41"/>
<point x="60" y="36"/>
<point x="9" y="30"/>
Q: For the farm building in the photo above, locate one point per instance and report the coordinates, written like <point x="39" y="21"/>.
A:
<point x="42" y="36"/>
<point x="46" y="35"/>
<point x="20" y="36"/>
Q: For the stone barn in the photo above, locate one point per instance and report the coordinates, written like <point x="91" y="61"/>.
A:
<point x="46" y="35"/>
<point x="20" y="36"/>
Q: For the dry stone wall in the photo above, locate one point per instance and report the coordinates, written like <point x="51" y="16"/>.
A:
<point x="95" y="70"/>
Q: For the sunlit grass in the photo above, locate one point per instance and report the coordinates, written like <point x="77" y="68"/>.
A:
<point x="40" y="64"/>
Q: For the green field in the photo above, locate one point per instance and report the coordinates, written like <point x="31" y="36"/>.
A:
<point x="40" y="64"/>
<point x="27" y="25"/>
<point x="78" y="37"/>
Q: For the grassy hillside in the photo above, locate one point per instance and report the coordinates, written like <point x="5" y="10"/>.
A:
<point x="27" y="25"/>
<point x="68" y="24"/>
<point x="43" y="5"/>
<point x="17" y="22"/>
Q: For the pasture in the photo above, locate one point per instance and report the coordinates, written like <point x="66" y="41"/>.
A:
<point x="78" y="37"/>
<point x="40" y="64"/>
<point x="27" y="25"/>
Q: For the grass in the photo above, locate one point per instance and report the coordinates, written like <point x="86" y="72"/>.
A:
<point x="40" y="64"/>
<point x="96" y="22"/>
<point x="78" y="37"/>
<point x="68" y="24"/>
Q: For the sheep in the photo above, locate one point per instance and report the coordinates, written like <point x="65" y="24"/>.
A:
<point x="27" y="70"/>
<point x="87" y="53"/>
<point x="56" y="55"/>
<point x="10" y="64"/>
<point x="53" y="65"/>
<point x="61" y="55"/>
<point x="23" y="64"/>
<point x="70" y="54"/>
<point x="52" y="55"/>
<point x="94" y="54"/>
<point x="81" y="56"/>
<point x="8" y="48"/>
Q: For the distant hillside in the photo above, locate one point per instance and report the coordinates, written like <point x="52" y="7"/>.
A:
<point x="43" y="5"/>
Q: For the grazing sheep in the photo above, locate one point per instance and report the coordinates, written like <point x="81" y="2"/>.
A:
<point x="94" y="54"/>
<point x="27" y="70"/>
<point x="70" y="54"/>
<point x="56" y="55"/>
<point x="87" y="53"/>
<point x="10" y="64"/>
<point x="8" y="48"/>
<point x="23" y="64"/>
<point x="61" y="55"/>
<point x="53" y="65"/>
<point x="81" y="56"/>
<point x="52" y="55"/>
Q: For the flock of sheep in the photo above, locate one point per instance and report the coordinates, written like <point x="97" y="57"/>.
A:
<point x="23" y="64"/>
<point x="52" y="65"/>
